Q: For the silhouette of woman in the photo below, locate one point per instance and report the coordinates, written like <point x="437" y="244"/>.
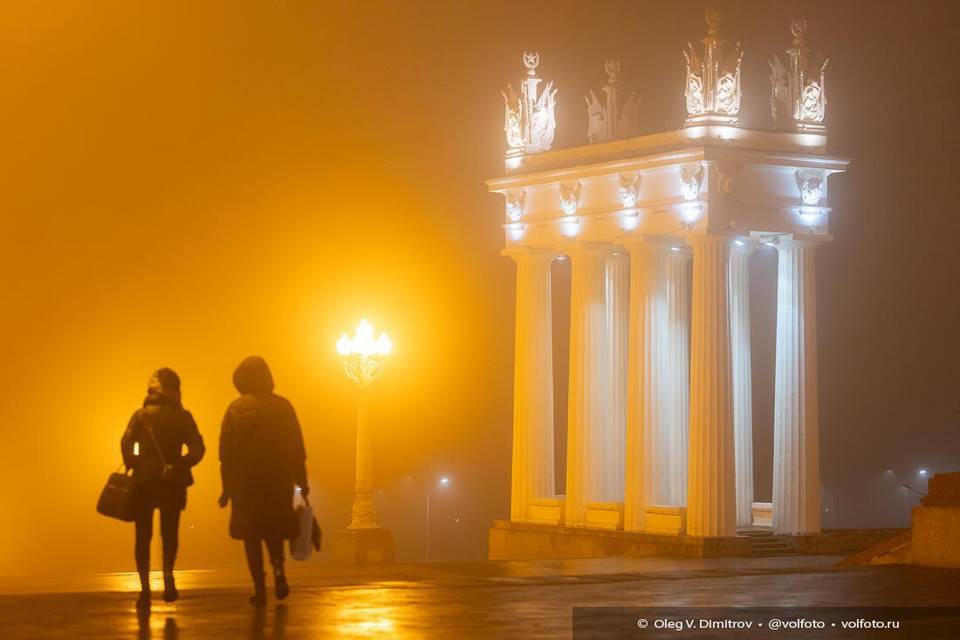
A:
<point x="261" y="459"/>
<point x="152" y="446"/>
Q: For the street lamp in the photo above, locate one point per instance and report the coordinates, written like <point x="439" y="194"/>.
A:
<point x="363" y="363"/>
<point x="363" y="541"/>
<point x="443" y="481"/>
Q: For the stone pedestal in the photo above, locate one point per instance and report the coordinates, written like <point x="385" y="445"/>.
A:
<point x="936" y="524"/>
<point x="525" y="541"/>
<point x="363" y="546"/>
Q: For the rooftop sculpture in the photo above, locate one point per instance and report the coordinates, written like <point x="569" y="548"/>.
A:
<point x="713" y="77"/>
<point x="798" y="99"/>
<point x="529" y="117"/>
<point x="712" y="94"/>
<point x="613" y="118"/>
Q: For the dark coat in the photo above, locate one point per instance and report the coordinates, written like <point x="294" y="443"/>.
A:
<point x="262" y="457"/>
<point x="174" y="428"/>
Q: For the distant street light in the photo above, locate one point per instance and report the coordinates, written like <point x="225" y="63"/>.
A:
<point x="363" y="363"/>
<point x="443" y="482"/>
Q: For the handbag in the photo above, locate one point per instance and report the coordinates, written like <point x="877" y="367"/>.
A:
<point x="117" y="500"/>
<point x="310" y="534"/>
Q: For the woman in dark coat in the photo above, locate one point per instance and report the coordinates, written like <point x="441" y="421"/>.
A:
<point x="261" y="459"/>
<point x="153" y="446"/>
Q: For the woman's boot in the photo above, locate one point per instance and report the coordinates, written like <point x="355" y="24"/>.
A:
<point x="170" y="593"/>
<point x="143" y="600"/>
<point x="259" y="597"/>
<point x="280" y="581"/>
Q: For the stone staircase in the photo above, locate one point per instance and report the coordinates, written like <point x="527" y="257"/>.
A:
<point x="763" y="544"/>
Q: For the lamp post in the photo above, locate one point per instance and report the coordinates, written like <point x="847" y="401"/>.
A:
<point x="364" y="540"/>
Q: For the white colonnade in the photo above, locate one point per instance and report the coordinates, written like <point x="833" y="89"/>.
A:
<point x="659" y="405"/>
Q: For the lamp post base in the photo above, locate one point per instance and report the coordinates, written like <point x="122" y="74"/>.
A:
<point x="363" y="546"/>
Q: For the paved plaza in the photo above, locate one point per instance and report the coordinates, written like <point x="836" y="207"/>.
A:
<point x="465" y="600"/>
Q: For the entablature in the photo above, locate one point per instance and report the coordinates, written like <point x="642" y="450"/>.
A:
<point x="753" y="184"/>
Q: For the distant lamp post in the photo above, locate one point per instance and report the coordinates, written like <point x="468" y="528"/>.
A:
<point x="443" y="482"/>
<point x="363" y="359"/>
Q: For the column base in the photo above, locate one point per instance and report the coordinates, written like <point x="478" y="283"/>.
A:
<point x="363" y="546"/>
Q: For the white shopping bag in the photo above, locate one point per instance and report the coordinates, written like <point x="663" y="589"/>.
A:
<point x="302" y="547"/>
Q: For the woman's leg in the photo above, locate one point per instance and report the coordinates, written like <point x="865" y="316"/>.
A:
<point x="254" y="552"/>
<point x="275" y="548"/>
<point x="143" y="526"/>
<point x="170" y="534"/>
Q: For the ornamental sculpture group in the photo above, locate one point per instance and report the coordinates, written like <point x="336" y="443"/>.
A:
<point x="712" y="93"/>
<point x="658" y="230"/>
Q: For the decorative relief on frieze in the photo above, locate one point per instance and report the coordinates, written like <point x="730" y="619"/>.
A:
<point x="514" y="203"/>
<point x="798" y="96"/>
<point x="726" y="173"/>
<point x="569" y="197"/>
<point x="629" y="189"/>
<point x="812" y="186"/>
<point x="614" y="117"/>
<point x="713" y="76"/>
<point x="690" y="179"/>
<point x="530" y="119"/>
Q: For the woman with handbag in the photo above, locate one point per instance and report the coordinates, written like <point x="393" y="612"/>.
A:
<point x="153" y="446"/>
<point x="262" y="457"/>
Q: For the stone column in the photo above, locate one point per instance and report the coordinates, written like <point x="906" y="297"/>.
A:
<point x="742" y="379"/>
<point x="711" y="494"/>
<point x="675" y="363"/>
<point x="657" y="381"/>
<point x="618" y="327"/>
<point x="641" y="380"/>
<point x="796" y="432"/>
<point x="588" y="411"/>
<point x="533" y="466"/>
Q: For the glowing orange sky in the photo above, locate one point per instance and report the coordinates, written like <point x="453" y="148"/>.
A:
<point x="186" y="184"/>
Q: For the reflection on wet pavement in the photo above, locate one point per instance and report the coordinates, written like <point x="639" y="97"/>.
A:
<point x="470" y="600"/>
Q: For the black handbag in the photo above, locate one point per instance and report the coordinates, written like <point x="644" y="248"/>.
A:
<point x="117" y="500"/>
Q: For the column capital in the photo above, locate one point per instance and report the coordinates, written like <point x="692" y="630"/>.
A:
<point x="793" y="240"/>
<point x="666" y="244"/>
<point x="745" y="244"/>
<point x="620" y="256"/>
<point x="516" y="252"/>
<point x="710" y="238"/>
<point x="580" y="247"/>
<point x="639" y="240"/>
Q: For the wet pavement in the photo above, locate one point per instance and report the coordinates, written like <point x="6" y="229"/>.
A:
<point x="527" y="600"/>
